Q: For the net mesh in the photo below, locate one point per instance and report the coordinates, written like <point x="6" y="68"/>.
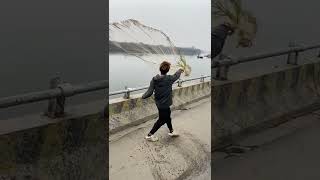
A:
<point x="149" y="44"/>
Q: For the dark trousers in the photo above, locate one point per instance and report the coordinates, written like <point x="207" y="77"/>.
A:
<point x="164" y="118"/>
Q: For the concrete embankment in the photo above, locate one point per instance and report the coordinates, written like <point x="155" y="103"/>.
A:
<point x="247" y="105"/>
<point x="124" y="113"/>
<point x="74" y="147"/>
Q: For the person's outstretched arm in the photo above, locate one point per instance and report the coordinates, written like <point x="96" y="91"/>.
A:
<point x="176" y="75"/>
<point x="149" y="91"/>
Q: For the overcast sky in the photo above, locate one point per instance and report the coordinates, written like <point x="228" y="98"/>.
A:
<point x="187" y="22"/>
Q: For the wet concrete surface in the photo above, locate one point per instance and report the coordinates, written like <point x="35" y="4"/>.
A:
<point x="288" y="151"/>
<point x="185" y="157"/>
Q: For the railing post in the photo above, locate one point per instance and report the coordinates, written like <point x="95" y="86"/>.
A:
<point x="293" y="60"/>
<point x="179" y="83"/>
<point x="127" y="93"/>
<point x="202" y="78"/>
<point x="56" y="105"/>
<point x="222" y="72"/>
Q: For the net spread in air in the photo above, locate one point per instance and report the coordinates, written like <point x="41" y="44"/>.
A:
<point x="146" y="43"/>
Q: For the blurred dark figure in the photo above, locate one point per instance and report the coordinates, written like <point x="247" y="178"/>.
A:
<point x="219" y="35"/>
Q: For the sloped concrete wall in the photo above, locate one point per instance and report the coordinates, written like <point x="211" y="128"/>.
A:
<point x="124" y="113"/>
<point x="244" y="104"/>
<point x="74" y="147"/>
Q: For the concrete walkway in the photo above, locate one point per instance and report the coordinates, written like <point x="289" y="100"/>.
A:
<point x="289" y="151"/>
<point x="184" y="157"/>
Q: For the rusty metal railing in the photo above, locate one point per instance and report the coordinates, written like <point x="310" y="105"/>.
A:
<point x="224" y="63"/>
<point x="127" y="91"/>
<point x="60" y="90"/>
<point x="56" y="95"/>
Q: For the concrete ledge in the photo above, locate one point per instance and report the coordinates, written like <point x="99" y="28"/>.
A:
<point x="74" y="147"/>
<point x="124" y="113"/>
<point x="251" y="104"/>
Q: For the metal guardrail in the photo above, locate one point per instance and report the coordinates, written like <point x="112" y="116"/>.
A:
<point x="56" y="95"/>
<point x="59" y="91"/>
<point x="293" y="51"/>
<point x="127" y="91"/>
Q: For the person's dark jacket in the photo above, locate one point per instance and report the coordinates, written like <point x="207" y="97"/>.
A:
<point x="218" y="38"/>
<point x="161" y="85"/>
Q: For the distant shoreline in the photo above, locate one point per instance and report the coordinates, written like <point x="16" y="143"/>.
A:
<point x="132" y="48"/>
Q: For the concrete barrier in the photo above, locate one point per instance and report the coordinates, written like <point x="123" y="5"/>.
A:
<point x="264" y="101"/>
<point x="38" y="148"/>
<point x="124" y="113"/>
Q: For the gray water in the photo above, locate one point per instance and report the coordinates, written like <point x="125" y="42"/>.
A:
<point x="279" y="23"/>
<point x="132" y="72"/>
<point x="26" y="76"/>
<point x="39" y="40"/>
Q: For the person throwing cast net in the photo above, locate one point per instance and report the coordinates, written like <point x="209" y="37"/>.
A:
<point x="219" y="35"/>
<point x="161" y="87"/>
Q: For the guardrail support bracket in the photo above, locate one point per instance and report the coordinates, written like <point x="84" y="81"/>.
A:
<point x="293" y="57"/>
<point x="202" y="78"/>
<point x="127" y="93"/>
<point x="222" y="73"/>
<point x="293" y="60"/>
<point x="179" y="83"/>
<point x="56" y="105"/>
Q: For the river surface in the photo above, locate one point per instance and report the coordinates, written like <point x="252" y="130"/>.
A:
<point x="133" y="72"/>
<point x="279" y="23"/>
<point x="20" y="76"/>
